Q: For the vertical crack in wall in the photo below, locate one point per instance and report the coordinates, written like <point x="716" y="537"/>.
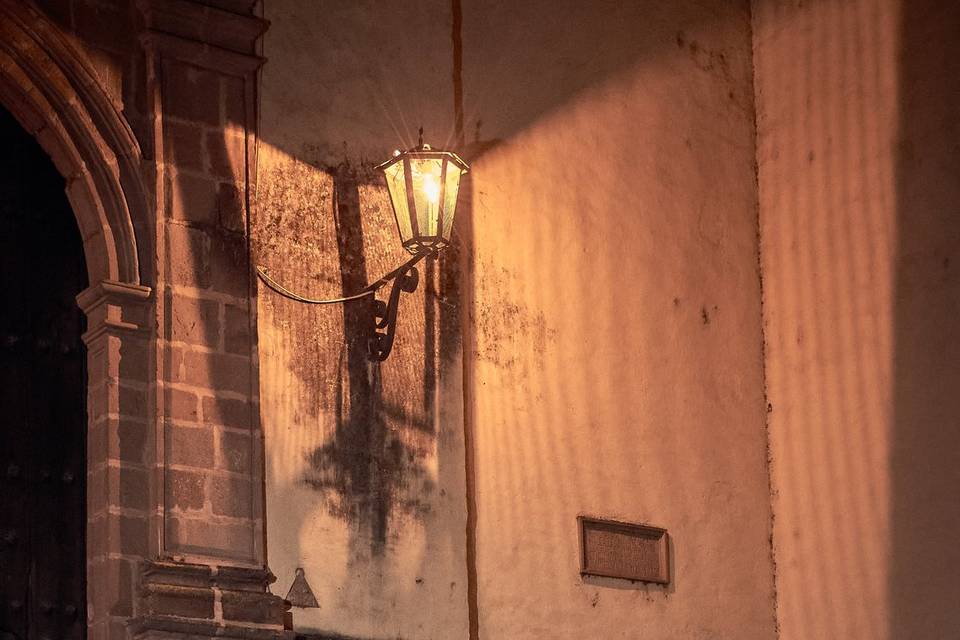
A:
<point x="767" y="407"/>
<point x="466" y="234"/>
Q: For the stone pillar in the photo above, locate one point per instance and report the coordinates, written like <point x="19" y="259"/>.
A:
<point x="209" y="576"/>
<point x="120" y="503"/>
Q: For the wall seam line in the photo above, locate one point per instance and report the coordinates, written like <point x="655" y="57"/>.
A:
<point x="467" y="350"/>
<point x="767" y="406"/>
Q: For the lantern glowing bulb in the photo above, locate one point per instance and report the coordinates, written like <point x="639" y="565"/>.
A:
<point x="424" y="184"/>
<point x="431" y="187"/>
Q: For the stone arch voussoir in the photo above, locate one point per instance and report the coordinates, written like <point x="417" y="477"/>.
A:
<point x="50" y="88"/>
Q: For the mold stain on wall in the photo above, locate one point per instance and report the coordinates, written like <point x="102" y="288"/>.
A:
<point x="366" y="469"/>
<point x="364" y="459"/>
<point x="369" y="466"/>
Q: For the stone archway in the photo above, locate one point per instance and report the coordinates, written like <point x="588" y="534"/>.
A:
<point x="51" y="89"/>
<point x="174" y="454"/>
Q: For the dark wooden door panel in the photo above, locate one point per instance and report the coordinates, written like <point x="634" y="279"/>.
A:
<point x="42" y="400"/>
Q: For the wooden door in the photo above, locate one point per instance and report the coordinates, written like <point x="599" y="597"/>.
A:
<point x="42" y="399"/>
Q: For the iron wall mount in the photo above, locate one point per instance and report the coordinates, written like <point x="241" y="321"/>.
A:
<point x="382" y="325"/>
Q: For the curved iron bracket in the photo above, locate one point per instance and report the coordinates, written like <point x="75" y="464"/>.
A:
<point x="383" y="325"/>
<point x="385" y="315"/>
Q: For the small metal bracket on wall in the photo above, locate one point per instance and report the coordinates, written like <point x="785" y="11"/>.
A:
<point x="300" y="593"/>
<point x="383" y="315"/>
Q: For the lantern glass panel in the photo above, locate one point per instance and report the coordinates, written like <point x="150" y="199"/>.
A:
<point x="397" y="186"/>
<point x="426" y="193"/>
<point x="450" y="197"/>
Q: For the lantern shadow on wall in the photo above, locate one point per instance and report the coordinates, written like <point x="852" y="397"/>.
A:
<point x="424" y="184"/>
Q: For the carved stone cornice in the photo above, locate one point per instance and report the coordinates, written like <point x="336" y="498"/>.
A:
<point x="161" y="628"/>
<point x="115" y="306"/>
<point x="200" y="600"/>
<point x="201" y="54"/>
<point x="256" y="579"/>
<point x="204" y="35"/>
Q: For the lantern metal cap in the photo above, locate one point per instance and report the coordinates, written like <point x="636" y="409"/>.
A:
<point x="425" y="151"/>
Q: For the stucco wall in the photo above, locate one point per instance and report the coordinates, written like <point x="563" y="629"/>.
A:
<point x="615" y="343"/>
<point x="609" y="306"/>
<point x="365" y="484"/>
<point x="857" y="155"/>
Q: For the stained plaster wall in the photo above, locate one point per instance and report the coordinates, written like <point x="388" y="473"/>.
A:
<point x="614" y="339"/>
<point x="365" y="484"/>
<point x="606" y="294"/>
<point x="858" y="163"/>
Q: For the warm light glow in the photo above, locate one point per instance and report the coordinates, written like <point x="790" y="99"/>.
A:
<point x="423" y="184"/>
<point x="431" y="187"/>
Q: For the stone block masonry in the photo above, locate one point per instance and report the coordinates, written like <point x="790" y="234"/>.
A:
<point x="147" y="109"/>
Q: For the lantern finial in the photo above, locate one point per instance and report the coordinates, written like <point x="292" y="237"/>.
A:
<point x="420" y="138"/>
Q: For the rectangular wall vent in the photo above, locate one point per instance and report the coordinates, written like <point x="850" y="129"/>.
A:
<point x="622" y="550"/>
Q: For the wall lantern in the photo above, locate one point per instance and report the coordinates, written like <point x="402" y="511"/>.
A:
<point x="424" y="184"/>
